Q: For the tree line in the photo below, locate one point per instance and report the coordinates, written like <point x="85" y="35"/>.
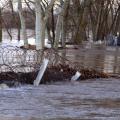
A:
<point x="63" y="20"/>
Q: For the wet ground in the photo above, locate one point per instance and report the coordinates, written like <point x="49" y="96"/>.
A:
<point x="88" y="100"/>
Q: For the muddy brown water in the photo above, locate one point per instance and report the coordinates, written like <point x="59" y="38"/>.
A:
<point x="101" y="58"/>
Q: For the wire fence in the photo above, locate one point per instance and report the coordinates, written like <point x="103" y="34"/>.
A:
<point x="15" y="59"/>
<point x="18" y="60"/>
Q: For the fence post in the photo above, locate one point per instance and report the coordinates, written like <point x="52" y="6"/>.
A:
<point x="41" y="72"/>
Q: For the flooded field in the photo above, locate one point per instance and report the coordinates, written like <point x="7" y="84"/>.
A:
<point x="101" y="58"/>
<point x="88" y="100"/>
<point x="85" y="100"/>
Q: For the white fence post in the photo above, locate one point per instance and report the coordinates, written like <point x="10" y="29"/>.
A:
<point x="41" y="72"/>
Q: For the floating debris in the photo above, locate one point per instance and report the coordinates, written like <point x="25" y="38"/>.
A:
<point x="52" y="74"/>
<point x="90" y="74"/>
<point x="65" y="73"/>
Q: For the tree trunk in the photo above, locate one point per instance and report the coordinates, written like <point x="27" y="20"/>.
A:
<point x="23" y="25"/>
<point x="53" y="28"/>
<point x="60" y="26"/>
<point x="58" y="30"/>
<point x="39" y="27"/>
<point x="41" y="20"/>
<point x="64" y="22"/>
<point x="18" y="29"/>
<point x="63" y="34"/>
<point x="0" y="25"/>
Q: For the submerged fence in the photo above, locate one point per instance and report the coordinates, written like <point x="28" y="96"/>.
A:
<point x="19" y="60"/>
<point x="23" y="65"/>
<point x="15" y="59"/>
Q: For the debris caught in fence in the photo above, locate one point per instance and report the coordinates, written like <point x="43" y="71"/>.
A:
<point x="21" y="66"/>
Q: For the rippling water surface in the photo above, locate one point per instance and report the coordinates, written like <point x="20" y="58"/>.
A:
<point x="93" y="100"/>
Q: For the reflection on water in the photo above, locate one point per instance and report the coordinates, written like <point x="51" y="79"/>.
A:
<point x="104" y="59"/>
<point x="108" y="66"/>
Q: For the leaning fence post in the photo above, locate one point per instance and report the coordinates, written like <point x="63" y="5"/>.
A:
<point x="76" y="76"/>
<point x="41" y="72"/>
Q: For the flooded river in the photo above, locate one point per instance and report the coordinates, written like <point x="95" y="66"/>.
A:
<point x="87" y="100"/>
<point x="101" y="58"/>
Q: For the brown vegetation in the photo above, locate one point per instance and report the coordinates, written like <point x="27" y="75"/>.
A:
<point x="52" y="74"/>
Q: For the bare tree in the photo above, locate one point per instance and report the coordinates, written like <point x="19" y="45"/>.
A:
<point x="0" y="25"/>
<point x="41" y="20"/>
<point x="60" y="26"/>
<point x="23" y="25"/>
